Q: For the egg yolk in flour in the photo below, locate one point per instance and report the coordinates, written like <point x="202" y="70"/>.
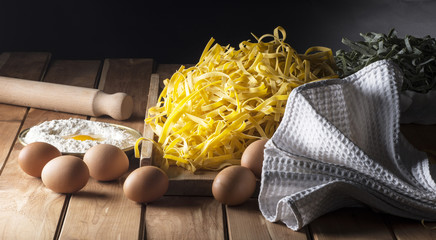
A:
<point x="84" y="138"/>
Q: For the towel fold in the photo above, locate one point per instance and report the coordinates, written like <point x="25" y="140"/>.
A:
<point x="339" y="145"/>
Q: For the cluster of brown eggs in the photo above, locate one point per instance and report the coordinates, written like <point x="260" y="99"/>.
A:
<point x="103" y="162"/>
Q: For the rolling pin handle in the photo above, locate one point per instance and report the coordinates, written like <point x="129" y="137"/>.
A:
<point x="118" y="105"/>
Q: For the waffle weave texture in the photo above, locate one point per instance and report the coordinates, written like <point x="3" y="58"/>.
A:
<point x="339" y="145"/>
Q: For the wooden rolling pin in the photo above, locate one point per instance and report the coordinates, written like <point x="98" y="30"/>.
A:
<point x="64" y="98"/>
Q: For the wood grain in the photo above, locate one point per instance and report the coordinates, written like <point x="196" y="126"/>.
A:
<point x="46" y="205"/>
<point x="184" y="218"/>
<point x="101" y="210"/>
<point x="350" y="223"/>
<point x="26" y="65"/>
<point x="29" y="210"/>
<point x="245" y="221"/>
<point x="11" y="117"/>
<point x="147" y="146"/>
<point x="83" y="73"/>
<point x="406" y="229"/>
<point x="10" y="121"/>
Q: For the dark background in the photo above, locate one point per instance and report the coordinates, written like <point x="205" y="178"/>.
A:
<point x="176" y="31"/>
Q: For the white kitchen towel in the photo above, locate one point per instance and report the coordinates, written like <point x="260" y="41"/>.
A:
<point x="339" y="145"/>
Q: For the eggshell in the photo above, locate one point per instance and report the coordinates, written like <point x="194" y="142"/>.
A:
<point x="65" y="174"/>
<point x="234" y="185"/>
<point x="252" y="157"/>
<point x="146" y="184"/>
<point x="33" y="157"/>
<point x="106" y="162"/>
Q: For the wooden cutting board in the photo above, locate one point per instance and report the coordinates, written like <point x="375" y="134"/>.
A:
<point x="182" y="182"/>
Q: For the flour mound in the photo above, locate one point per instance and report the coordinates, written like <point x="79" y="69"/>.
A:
<point x="56" y="133"/>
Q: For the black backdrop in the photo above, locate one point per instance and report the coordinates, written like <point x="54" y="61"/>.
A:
<point x="176" y="31"/>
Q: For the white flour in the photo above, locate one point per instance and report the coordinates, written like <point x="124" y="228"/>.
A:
<point x="58" y="133"/>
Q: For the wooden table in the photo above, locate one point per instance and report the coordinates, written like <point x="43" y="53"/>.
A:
<point x="28" y="210"/>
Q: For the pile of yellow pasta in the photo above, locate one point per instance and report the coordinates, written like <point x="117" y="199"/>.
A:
<point x="209" y="113"/>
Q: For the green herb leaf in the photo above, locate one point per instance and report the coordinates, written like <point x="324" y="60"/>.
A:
<point x="415" y="56"/>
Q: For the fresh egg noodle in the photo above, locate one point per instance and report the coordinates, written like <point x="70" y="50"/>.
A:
<point x="208" y="114"/>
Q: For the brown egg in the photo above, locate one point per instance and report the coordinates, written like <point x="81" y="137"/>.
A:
<point x="234" y="185"/>
<point x="252" y="157"/>
<point x="146" y="184"/>
<point x="65" y="174"/>
<point x="106" y="162"/>
<point x="33" y="157"/>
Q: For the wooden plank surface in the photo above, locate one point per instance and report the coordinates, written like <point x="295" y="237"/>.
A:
<point x="407" y="229"/>
<point x="11" y="117"/>
<point x="101" y="210"/>
<point x="10" y="122"/>
<point x="64" y="72"/>
<point x="350" y="223"/>
<point x="80" y="73"/>
<point x="246" y="222"/>
<point x="33" y="211"/>
<point x="50" y="205"/>
<point x="29" y="210"/>
<point x="184" y="218"/>
<point x="147" y="146"/>
<point x="76" y="73"/>
<point x="24" y="65"/>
